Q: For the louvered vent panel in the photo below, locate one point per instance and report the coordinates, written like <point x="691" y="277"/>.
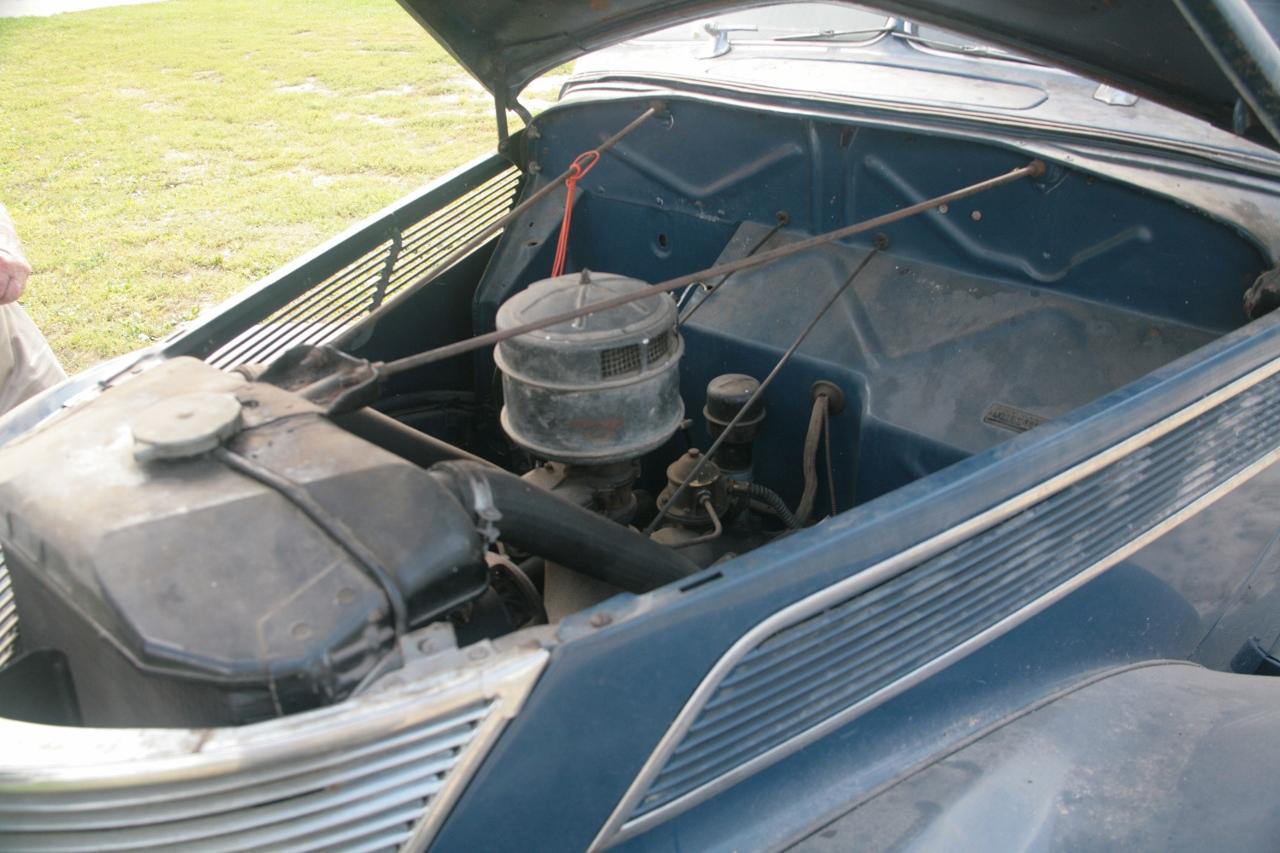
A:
<point x="355" y="290"/>
<point x="365" y="797"/>
<point x="810" y="671"/>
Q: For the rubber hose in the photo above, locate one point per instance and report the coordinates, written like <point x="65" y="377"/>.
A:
<point x="816" y="419"/>
<point x="773" y="500"/>
<point x="404" y="441"/>
<point x="541" y="523"/>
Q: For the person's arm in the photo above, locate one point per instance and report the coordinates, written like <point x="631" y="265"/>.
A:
<point x="14" y="268"/>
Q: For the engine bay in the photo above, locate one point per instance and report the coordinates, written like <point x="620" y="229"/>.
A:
<point x="241" y="551"/>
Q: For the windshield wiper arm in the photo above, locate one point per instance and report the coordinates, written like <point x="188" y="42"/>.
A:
<point x="979" y="50"/>
<point x="840" y="35"/>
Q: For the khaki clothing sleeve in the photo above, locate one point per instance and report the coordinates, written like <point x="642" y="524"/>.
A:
<point x="27" y="365"/>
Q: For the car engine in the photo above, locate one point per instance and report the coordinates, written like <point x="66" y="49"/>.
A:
<point x="237" y="555"/>
<point x="197" y="546"/>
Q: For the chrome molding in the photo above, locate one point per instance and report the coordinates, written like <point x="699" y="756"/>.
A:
<point x="380" y="771"/>
<point x="619" y="828"/>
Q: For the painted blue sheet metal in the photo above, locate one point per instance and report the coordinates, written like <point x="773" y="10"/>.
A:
<point x="612" y="691"/>
<point x="1076" y="773"/>
<point x="638" y="670"/>
<point x="850" y="652"/>
<point x="1068" y="233"/>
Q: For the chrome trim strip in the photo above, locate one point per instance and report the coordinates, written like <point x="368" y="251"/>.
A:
<point x="617" y="828"/>
<point x="511" y="685"/>
<point x="38" y="759"/>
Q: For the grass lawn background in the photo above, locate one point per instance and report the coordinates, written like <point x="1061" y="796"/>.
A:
<point x="159" y="158"/>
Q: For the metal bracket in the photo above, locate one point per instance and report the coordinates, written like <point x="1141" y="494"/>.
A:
<point x="331" y="379"/>
<point x="503" y="101"/>
<point x="722" y="45"/>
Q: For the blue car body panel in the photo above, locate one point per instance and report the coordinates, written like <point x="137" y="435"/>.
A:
<point x="610" y="694"/>
<point x="1156" y="755"/>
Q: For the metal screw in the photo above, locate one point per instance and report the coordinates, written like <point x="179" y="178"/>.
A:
<point x="599" y="620"/>
<point x="976" y="216"/>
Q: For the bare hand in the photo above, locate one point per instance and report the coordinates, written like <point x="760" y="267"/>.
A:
<point x="14" y="271"/>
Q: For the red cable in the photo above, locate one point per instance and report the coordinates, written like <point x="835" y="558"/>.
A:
<point x="578" y="169"/>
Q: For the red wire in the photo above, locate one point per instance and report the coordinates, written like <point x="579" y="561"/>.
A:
<point x="578" y="169"/>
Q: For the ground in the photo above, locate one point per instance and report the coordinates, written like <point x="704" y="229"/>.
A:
<point x="159" y="158"/>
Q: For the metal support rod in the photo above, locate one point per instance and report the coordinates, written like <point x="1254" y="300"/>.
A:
<point x="758" y="393"/>
<point x="482" y="236"/>
<point x="711" y="291"/>
<point x="1033" y="169"/>
<point x="831" y="471"/>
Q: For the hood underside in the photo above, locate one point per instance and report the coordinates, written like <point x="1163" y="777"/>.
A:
<point x="1215" y="59"/>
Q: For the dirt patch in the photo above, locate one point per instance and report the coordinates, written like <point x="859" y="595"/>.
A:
<point x="401" y="90"/>
<point x="186" y="174"/>
<point x="308" y="86"/>
<point x="464" y="83"/>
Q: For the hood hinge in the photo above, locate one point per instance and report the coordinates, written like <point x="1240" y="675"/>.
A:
<point x="504" y="100"/>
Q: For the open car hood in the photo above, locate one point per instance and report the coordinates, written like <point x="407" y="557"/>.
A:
<point x="1215" y="59"/>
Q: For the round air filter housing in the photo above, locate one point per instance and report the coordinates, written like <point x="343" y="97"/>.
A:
<point x="601" y="388"/>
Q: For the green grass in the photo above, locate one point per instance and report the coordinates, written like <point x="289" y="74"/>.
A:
<point x="159" y="158"/>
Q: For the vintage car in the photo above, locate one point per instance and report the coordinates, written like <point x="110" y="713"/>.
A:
<point x="822" y="429"/>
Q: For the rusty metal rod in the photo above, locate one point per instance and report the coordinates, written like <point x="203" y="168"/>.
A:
<point x="711" y="291"/>
<point x="481" y="237"/>
<point x="1033" y="169"/>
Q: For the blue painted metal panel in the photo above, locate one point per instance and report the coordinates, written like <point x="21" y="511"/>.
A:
<point x="611" y="692"/>
<point x="1068" y="232"/>
<point x="812" y="670"/>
